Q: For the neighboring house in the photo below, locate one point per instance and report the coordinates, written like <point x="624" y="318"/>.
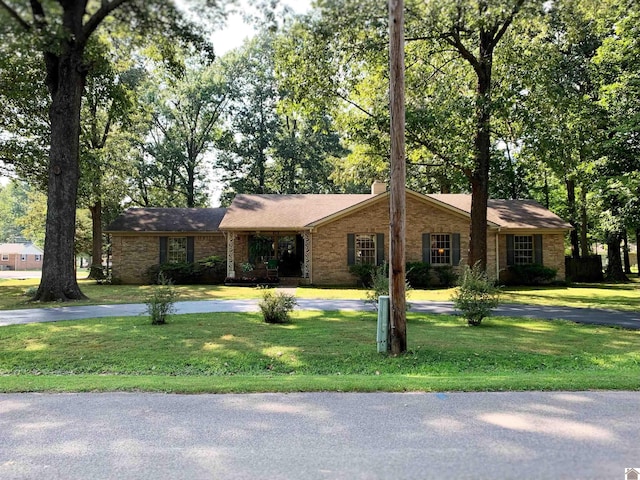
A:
<point x="316" y="237"/>
<point x="20" y="256"/>
<point x="143" y="237"/>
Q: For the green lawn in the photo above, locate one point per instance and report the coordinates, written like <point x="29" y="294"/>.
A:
<point x="318" y="351"/>
<point x="614" y="296"/>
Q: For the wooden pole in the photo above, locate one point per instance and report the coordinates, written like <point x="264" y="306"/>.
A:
<point x="398" y="319"/>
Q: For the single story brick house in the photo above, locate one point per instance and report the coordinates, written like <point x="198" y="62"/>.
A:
<point x="314" y="238"/>
<point x="20" y="256"/>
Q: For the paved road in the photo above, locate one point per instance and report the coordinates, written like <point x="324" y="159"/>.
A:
<point x="588" y="435"/>
<point x="629" y="320"/>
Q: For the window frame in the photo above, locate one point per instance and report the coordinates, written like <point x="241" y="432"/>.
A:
<point x="177" y="254"/>
<point x="441" y="249"/>
<point x="5" y="257"/>
<point x="524" y="250"/>
<point x="371" y="249"/>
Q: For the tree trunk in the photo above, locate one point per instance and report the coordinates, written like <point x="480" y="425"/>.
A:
<point x="571" y="204"/>
<point x="638" y="250"/>
<point x="96" y="272"/>
<point x="584" y="224"/>
<point x="625" y="252"/>
<point x="482" y="144"/>
<point x="614" y="272"/>
<point x="65" y="79"/>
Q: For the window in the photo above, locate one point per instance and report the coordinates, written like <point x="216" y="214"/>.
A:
<point x="5" y="257"/>
<point x="23" y="257"/>
<point x="440" y="249"/>
<point x="522" y="249"/>
<point x="177" y="250"/>
<point x="38" y="258"/>
<point x="365" y="249"/>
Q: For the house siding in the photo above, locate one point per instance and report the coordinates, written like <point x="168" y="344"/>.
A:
<point x="132" y="255"/>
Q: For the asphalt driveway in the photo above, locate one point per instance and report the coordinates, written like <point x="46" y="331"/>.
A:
<point x="630" y="320"/>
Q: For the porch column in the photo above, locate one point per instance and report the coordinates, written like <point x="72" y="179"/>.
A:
<point x="306" y="266"/>
<point x="231" y="253"/>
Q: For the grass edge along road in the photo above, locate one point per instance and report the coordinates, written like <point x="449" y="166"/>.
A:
<point x="319" y="351"/>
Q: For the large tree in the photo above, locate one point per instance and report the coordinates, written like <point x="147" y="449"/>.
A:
<point x="62" y="30"/>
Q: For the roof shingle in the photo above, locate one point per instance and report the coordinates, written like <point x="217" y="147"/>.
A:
<point x="168" y="220"/>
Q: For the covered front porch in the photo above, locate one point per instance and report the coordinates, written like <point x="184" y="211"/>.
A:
<point x="285" y="255"/>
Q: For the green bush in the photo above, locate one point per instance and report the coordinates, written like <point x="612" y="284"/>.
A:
<point x="276" y="307"/>
<point x="380" y="285"/>
<point x="446" y="276"/>
<point x="532" y="274"/>
<point x="161" y="301"/>
<point x="419" y="274"/>
<point x="364" y="272"/>
<point x="212" y="269"/>
<point x="179" y="273"/>
<point x="476" y="296"/>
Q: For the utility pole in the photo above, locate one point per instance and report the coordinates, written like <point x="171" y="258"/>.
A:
<point x="397" y="212"/>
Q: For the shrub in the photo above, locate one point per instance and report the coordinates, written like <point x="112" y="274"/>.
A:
<point x="364" y="272"/>
<point x="30" y="292"/>
<point x="161" y="302"/>
<point x="446" y="276"/>
<point x="276" y="307"/>
<point x="179" y="273"/>
<point x="419" y="274"/>
<point x="476" y="296"/>
<point x="212" y="269"/>
<point x="532" y="274"/>
<point x="380" y="285"/>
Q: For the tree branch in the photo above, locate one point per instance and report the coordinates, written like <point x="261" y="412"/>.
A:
<point x="96" y="19"/>
<point x="507" y="22"/>
<point x="12" y="13"/>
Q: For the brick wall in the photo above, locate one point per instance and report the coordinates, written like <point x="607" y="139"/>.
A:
<point x="132" y="255"/>
<point x="552" y="254"/>
<point x="15" y="262"/>
<point x="330" y="241"/>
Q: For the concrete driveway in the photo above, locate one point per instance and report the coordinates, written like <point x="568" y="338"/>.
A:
<point x="587" y="435"/>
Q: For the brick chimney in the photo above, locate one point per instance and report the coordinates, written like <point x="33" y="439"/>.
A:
<point x="378" y="187"/>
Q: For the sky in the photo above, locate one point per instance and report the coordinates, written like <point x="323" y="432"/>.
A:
<point x="236" y="30"/>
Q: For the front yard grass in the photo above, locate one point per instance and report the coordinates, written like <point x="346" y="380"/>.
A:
<point x="333" y="351"/>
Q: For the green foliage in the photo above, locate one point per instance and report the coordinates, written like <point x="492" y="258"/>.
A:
<point x="207" y="270"/>
<point x="183" y="273"/>
<point x="161" y="302"/>
<point x="447" y="277"/>
<point x="380" y="285"/>
<point x="533" y="274"/>
<point x="419" y="274"/>
<point x="364" y="272"/>
<point x="476" y="296"/>
<point x="276" y="307"/>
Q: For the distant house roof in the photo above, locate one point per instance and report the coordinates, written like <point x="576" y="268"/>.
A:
<point x="289" y="212"/>
<point x="19" y="249"/>
<point x="168" y="220"/>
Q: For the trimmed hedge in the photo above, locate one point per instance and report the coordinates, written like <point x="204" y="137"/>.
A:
<point x="532" y="274"/>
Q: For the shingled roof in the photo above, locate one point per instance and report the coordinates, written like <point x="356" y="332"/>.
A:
<point x="512" y="214"/>
<point x="290" y="212"/>
<point x="168" y="220"/>
<point x="285" y="212"/>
